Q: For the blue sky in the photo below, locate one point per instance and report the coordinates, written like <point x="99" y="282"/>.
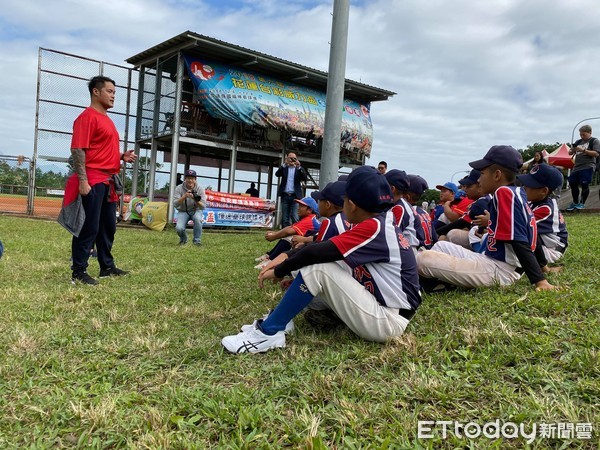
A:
<point x="468" y="75"/>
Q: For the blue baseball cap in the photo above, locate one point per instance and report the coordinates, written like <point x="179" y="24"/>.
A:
<point x="470" y="179"/>
<point x="369" y="189"/>
<point x="333" y="192"/>
<point x="449" y="185"/>
<point x="542" y="175"/>
<point x="398" y="179"/>
<point x="503" y="155"/>
<point x="310" y="202"/>
<point x="417" y="184"/>
<point x="190" y="173"/>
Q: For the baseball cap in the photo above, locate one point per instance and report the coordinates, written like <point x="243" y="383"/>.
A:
<point x="542" y="175"/>
<point x="369" y="189"/>
<point x="333" y="192"/>
<point x="503" y="155"/>
<point x="398" y="179"/>
<point x="418" y="185"/>
<point x="190" y="173"/>
<point x="470" y="179"/>
<point x="310" y="202"/>
<point x="449" y="185"/>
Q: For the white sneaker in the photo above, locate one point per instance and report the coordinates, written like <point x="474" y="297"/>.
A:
<point x="253" y="341"/>
<point x="261" y="258"/>
<point x="263" y="264"/>
<point x="289" y="327"/>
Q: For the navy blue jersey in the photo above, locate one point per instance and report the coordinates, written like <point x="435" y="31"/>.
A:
<point x="550" y="224"/>
<point x="478" y="207"/>
<point x="425" y="231"/>
<point x="382" y="260"/>
<point x="332" y="226"/>
<point x="511" y="219"/>
<point x="408" y="223"/>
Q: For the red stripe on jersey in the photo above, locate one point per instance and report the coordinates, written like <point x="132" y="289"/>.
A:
<point x="356" y="237"/>
<point x="505" y="223"/>
<point x="399" y="212"/>
<point x="324" y="227"/>
<point x="542" y="212"/>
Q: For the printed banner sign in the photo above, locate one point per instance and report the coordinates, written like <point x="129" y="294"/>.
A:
<point x="255" y="99"/>
<point x="232" y="210"/>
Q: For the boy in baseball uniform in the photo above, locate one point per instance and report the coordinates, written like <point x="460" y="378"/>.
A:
<point x="367" y="275"/>
<point x="512" y="233"/>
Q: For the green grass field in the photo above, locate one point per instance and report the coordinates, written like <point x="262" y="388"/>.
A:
<point x="137" y="362"/>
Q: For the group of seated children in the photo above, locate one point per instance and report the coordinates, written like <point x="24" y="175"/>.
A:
<point x="375" y="250"/>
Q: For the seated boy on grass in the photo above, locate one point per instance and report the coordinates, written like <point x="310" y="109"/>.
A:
<point x="400" y="184"/>
<point x="367" y="275"/>
<point x="512" y="235"/>
<point x="461" y="231"/>
<point x="307" y="209"/>
<point x="552" y="231"/>
<point x="425" y="232"/>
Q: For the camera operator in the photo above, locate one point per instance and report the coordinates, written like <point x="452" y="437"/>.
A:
<point x="292" y="174"/>
<point x="189" y="200"/>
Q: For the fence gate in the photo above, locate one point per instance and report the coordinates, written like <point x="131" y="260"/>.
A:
<point x="33" y="184"/>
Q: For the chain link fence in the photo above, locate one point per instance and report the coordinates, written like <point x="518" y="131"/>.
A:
<point x="34" y="184"/>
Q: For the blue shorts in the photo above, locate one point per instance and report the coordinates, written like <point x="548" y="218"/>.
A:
<point x="581" y="176"/>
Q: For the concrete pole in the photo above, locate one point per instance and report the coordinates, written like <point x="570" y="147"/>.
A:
<point x="330" y="155"/>
<point x="175" y="138"/>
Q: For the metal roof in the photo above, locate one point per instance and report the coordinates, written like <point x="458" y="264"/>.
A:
<point x="220" y="51"/>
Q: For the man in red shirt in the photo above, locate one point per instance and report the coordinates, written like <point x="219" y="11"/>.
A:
<point x="96" y="161"/>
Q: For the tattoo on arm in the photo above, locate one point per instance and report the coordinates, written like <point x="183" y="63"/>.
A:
<point x="79" y="163"/>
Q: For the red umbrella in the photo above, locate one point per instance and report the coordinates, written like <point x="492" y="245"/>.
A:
<point x="560" y="157"/>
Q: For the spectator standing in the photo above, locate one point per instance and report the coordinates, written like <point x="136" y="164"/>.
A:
<point x="292" y="174"/>
<point x="586" y="151"/>
<point x="96" y="163"/>
<point x="382" y="167"/>
<point x="252" y="191"/>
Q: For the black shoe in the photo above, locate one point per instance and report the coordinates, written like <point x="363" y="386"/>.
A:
<point x="198" y="243"/>
<point x="112" y="272"/>
<point x="433" y="285"/>
<point x="182" y="243"/>
<point x="324" y="319"/>
<point x="83" y="278"/>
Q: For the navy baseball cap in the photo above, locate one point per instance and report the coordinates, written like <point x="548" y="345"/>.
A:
<point x="449" y="185"/>
<point x="190" y="173"/>
<point x="310" y="202"/>
<point x="503" y="155"/>
<point x="333" y="192"/>
<point x="542" y="175"/>
<point x="418" y="185"/>
<point x="398" y="179"/>
<point x="369" y="189"/>
<point x="470" y="179"/>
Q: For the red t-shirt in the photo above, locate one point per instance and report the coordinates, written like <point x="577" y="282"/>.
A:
<point x="97" y="135"/>
<point x="306" y="224"/>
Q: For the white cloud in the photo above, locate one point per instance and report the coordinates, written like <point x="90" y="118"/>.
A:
<point x="467" y="74"/>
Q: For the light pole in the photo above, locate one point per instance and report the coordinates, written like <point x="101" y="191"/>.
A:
<point x="575" y="127"/>
<point x="460" y="171"/>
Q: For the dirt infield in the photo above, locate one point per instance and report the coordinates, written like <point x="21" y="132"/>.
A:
<point x="42" y="206"/>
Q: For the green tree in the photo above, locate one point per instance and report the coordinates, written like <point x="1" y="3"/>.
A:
<point x="528" y="152"/>
<point x="143" y="175"/>
<point x="429" y="195"/>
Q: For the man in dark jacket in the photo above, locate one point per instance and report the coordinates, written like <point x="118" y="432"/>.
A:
<point x="292" y="174"/>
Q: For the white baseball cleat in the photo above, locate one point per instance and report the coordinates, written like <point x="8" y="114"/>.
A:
<point x="253" y="341"/>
